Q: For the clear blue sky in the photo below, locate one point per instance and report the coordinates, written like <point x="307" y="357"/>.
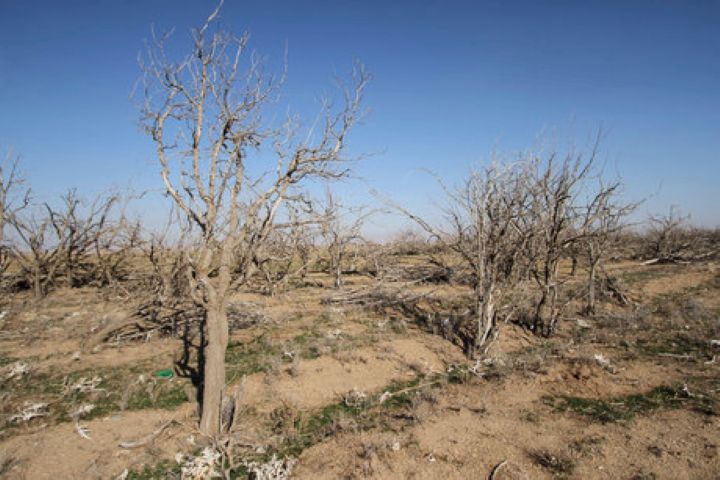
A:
<point x="453" y="80"/>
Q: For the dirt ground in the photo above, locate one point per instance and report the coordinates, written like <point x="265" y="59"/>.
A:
<point x="347" y="392"/>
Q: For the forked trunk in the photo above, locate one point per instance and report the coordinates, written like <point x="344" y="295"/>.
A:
<point x="214" y="374"/>
<point x="486" y="319"/>
<point x="544" y="321"/>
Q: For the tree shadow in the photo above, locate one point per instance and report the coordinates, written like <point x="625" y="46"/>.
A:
<point x="193" y="343"/>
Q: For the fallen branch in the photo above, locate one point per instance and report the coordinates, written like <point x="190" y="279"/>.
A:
<point x="496" y="469"/>
<point x="387" y="395"/>
<point x="149" y="438"/>
<point x="675" y="355"/>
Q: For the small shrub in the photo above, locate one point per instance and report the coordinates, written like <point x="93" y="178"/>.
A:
<point x="560" y="465"/>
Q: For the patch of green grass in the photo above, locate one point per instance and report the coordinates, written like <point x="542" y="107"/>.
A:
<point x="160" y="471"/>
<point x="679" y="344"/>
<point x="6" y="360"/>
<point x="315" y="427"/>
<point x="624" y="409"/>
<point x="531" y="417"/>
<point x="263" y="355"/>
<point x="168" y="396"/>
<point x="257" y="356"/>
<point x="641" y="276"/>
<point x="118" y="390"/>
<point x="459" y="374"/>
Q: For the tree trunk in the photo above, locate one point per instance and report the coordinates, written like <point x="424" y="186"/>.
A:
<point x="486" y="317"/>
<point x="214" y="373"/>
<point x="591" y="287"/>
<point x="544" y="320"/>
<point x="37" y="285"/>
<point x="553" y="313"/>
<point x="337" y="272"/>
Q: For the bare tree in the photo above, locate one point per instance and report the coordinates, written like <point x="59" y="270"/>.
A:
<point x="302" y="241"/>
<point x="113" y="250"/>
<point x="601" y="220"/>
<point x="668" y="236"/>
<point x="484" y="216"/>
<point x="57" y="240"/>
<point x="552" y="219"/>
<point x="77" y="231"/>
<point x="10" y="202"/>
<point x="168" y="283"/>
<point x="287" y="253"/>
<point x="204" y="114"/>
<point x="339" y="228"/>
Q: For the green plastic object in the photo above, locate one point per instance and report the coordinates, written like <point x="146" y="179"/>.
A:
<point x="166" y="373"/>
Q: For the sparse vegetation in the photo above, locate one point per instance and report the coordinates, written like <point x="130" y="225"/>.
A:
<point x="527" y="329"/>
<point x="623" y="409"/>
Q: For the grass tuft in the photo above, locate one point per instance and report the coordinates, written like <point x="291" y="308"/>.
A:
<point x="624" y="409"/>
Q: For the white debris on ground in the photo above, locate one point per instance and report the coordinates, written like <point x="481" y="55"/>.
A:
<point x="123" y="475"/>
<point x="355" y="398"/>
<point x="82" y="410"/>
<point x="29" y="411"/>
<point x="202" y="467"/>
<point x="83" y="385"/>
<point x="603" y="361"/>
<point x="334" y="334"/>
<point x="273" y="469"/>
<point x="481" y="365"/>
<point x="82" y="430"/>
<point x="17" y="370"/>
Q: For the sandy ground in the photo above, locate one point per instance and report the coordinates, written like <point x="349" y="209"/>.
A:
<point x="458" y="431"/>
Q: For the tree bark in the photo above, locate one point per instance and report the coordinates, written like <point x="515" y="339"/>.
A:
<point x="486" y="317"/>
<point x="37" y="285"/>
<point x="545" y="315"/>
<point x="214" y="372"/>
<point x="591" y="286"/>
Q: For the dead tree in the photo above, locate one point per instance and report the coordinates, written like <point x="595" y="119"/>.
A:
<point x="79" y="231"/>
<point x="57" y="241"/>
<point x="11" y="203"/>
<point x="32" y="251"/>
<point x="483" y="217"/>
<point x="550" y="222"/>
<point x="601" y="220"/>
<point x="302" y="241"/>
<point x="668" y="237"/>
<point x="289" y="249"/>
<point x="204" y="115"/>
<point x="113" y="250"/>
<point x="339" y="228"/>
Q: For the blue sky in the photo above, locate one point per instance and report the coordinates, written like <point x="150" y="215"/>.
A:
<point x="453" y="80"/>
